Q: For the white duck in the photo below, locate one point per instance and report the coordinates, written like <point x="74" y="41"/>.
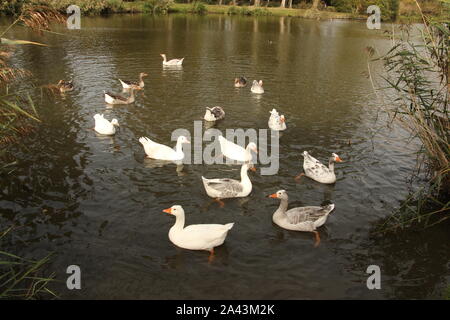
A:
<point x="103" y="126"/>
<point x="117" y="99"/>
<point x="315" y="170"/>
<point x="257" y="87"/>
<point x="161" y="152"/>
<point x="127" y="84"/>
<point x="228" y="188"/>
<point x="236" y="152"/>
<point x="173" y="62"/>
<point x="196" y="236"/>
<point x="277" y="122"/>
<point x="306" y="219"/>
<point x="214" y="114"/>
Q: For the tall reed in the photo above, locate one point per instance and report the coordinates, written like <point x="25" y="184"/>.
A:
<point x="417" y="72"/>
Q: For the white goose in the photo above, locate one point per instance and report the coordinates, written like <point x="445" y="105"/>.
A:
<point x="257" y="87"/>
<point x="236" y="152"/>
<point x="196" y="236"/>
<point x="127" y="84"/>
<point x="161" y="152"/>
<point x="173" y="62"/>
<point x="315" y="170"/>
<point x="228" y="188"/>
<point x="214" y="114"/>
<point x="277" y="122"/>
<point x="103" y="126"/>
<point x="306" y="219"/>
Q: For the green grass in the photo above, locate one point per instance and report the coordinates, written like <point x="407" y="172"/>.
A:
<point x="138" y="6"/>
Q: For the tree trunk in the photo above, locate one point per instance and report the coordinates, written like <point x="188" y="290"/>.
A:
<point x="315" y="4"/>
<point x="220" y="2"/>
<point x="290" y="4"/>
<point x="257" y="3"/>
<point x="283" y="4"/>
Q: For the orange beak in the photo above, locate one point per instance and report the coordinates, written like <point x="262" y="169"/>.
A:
<point x="253" y="169"/>
<point x="273" y="195"/>
<point x="169" y="210"/>
<point x="282" y="119"/>
<point x="339" y="159"/>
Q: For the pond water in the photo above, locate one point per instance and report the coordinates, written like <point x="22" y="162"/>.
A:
<point x="96" y="203"/>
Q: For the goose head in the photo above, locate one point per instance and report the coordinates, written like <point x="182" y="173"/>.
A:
<point x="252" y="146"/>
<point x="114" y="122"/>
<point x="143" y="74"/>
<point x="175" y="210"/>
<point x="282" y="118"/>
<point x="182" y="139"/>
<point x="336" y="158"/>
<point x="260" y="83"/>
<point x="163" y="55"/>
<point x="280" y="194"/>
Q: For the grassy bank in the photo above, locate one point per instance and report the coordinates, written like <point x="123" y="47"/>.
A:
<point x="407" y="10"/>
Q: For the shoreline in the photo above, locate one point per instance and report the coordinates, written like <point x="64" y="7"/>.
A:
<point x="200" y="8"/>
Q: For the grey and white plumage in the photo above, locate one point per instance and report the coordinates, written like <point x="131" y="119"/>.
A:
<point x="306" y="219"/>
<point x="214" y="114"/>
<point x="229" y="188"/>
<point x="317" y="171"/>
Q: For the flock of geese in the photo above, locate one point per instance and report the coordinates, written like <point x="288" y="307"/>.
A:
<point x="209" y="236"/>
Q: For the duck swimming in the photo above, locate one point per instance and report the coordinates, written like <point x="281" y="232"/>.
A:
<point x="65" y="86"/>
<point x="276" y="122"/>
<point x="236" y="152"/>
<point x="306" y="219"/>
<point x="173" y="62"/>
<point x="126" y="84"/>
<point x="214" y="114"/>
<point x="257" y="87"/>
<point x="224" y="188"/>
<point x="196" y="236"/>
<point x="103" y="126"/>
<point x="240" y="82"/>
<point x="118" y="99"/>
<point x="315" y="170"/>
<point x="159" y="151"/>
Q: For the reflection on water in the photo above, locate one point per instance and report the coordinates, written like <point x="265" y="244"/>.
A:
<point x="96" y="201"/>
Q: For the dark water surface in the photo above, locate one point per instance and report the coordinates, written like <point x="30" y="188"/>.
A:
<point x="97" y="203"/>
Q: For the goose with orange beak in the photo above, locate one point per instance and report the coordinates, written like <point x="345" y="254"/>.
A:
<point x="229" y="188"/>
<point x="306" y="219"/>
<point x="277" y="122"/>
<point x="158" y="151"/>
<point x="315" y="170"/>
<point x="196" y="236"/>
<point x="235" y="152"/>
<point x="173" y="62"/>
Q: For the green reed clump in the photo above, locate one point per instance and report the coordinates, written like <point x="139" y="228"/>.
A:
<point x="198" y="7"/>
<point x="244" y="11"/>
<point x="417" y="71"/>
<point x="157" y="6"/>
<point x="87" y="7"/>
<point x="22" y="278"/>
